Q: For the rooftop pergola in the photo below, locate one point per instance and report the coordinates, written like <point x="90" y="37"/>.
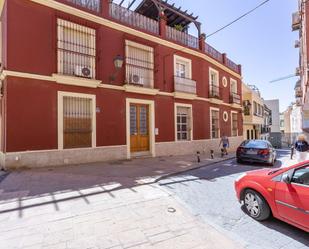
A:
<point x="174" y="15"/>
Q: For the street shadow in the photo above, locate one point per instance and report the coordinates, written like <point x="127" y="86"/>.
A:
<point x="212" y="173"/>
<point x="57" y="183"/>
<point x="284" y="228"/>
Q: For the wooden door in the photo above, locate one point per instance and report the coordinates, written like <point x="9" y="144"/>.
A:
<point x="139" y="127"/>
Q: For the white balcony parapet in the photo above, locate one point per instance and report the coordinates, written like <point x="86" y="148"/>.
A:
<point x="184" y="85"/>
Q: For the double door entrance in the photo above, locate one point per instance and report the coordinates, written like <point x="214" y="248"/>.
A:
<point x="139" y="128"/>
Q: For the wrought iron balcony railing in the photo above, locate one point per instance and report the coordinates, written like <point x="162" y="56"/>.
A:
<point x="93" y="5"/>
<point x="181" y="37"/>
<point x="235" y="98"/>
<point x="212" y="52"/>
<point x="133" y="19"/>
<point x="215" y="92"/>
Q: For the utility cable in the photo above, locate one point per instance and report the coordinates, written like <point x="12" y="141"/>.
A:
<point x="237" y="19"/>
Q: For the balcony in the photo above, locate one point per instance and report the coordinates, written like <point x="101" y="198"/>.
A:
<point x="230" y="64"/>
<point x="184" y="85"/>
<point x="212" y="52"/>
<point x="182" y="37"/>
<point x="235" y="98"/>
<point x="139" y="73"/>
<point x="145" y="18"/>
<point x="297" y="44"/>
<point x="133" y="19"/>
<point x="296" y="21"/>
<point x="92" y="5"/>
<point x="215" y="92"/>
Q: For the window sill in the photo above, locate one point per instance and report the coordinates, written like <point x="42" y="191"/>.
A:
<point x="76" y="81"/>
<point x="141" y="90"/>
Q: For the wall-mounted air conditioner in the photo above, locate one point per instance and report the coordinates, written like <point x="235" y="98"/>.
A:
<point x="83" y="71"/>
<point x="136" y="79"/>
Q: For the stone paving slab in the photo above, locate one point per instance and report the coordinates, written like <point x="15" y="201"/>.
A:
<point x="109" y="221"/>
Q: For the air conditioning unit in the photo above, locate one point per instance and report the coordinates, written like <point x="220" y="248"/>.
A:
<point x="297" y="44"/>
<point x="136" y="79"/>
<point x="82" y="71"/>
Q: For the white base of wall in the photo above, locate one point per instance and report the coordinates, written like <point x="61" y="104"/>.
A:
<point x="191" y="147"/>
<point x="47" y="158"/>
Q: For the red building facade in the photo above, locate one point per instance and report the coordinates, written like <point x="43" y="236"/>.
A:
<point x="100" y="82"/>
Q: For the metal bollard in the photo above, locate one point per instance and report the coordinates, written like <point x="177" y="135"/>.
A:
<point x="212" y="156"/>
<point x="292" y="152"/>
<point x="222" y="152"/>
<point x="198" y="156"/>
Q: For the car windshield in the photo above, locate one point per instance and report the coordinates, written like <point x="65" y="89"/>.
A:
<point x="255" y="144"/>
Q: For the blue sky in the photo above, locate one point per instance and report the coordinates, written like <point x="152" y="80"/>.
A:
<point x="262" y="42"/>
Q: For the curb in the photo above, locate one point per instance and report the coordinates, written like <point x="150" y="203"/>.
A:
<point x="191" y="169"/>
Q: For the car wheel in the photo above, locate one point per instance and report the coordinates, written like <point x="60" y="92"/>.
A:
<point x="256" y="206"/>
<point x="239" y="160"/>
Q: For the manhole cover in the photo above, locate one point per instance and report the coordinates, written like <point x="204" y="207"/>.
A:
<point x="171" y="210"/>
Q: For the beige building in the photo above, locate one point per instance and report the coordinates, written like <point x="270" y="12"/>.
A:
<point x="253" y="105"/>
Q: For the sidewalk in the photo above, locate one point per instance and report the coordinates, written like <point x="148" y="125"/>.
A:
<point x="125" y="173"/>
<point x="101" y="206"/>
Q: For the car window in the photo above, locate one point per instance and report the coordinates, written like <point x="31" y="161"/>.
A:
<point x="255" y="144"/>
<point x="301" y="176"/>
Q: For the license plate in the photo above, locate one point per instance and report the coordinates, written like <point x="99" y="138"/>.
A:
<point x="251" y="152"/>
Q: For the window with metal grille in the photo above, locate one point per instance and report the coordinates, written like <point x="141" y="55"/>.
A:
<point x="76" y="49"/>
<point x="183" y="123"/>
<point x="215" y="128"/>
<point x="77" y="122"/>
<point x="139" y="65"/>
<point x="234" y="125"/>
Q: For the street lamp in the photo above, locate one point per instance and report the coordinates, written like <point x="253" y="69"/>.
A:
<point x="118" y="63"/>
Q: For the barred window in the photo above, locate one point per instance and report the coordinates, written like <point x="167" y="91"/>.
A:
<point x="183" y="123"/>
<point x="215" y="128"/>
<point x="139" y="65"/>
<point x="234" y="124"/>
<point x="76" y="49"/>
<point x="77" y="122"/>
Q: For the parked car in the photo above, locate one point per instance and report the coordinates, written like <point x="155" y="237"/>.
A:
<point x="283" y="193"/>
<point x="260" y="151"/>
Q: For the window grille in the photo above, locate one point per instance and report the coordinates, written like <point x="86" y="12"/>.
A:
<point x="77" y="122"/>
<point x="139" y="65"/>
<point x="76" y="49"/>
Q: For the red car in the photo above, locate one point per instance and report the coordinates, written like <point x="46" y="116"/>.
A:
<point x="283" y="193"/>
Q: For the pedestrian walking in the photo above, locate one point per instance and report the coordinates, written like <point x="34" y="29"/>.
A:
<point x="225" y="144"/>
<point x="301" y="148"/>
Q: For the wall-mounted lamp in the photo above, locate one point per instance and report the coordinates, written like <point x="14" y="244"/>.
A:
<point x="118" y="63"/>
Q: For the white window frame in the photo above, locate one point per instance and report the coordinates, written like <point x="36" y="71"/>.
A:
<point x="211" y="70"/>
<point x="210" y="116"/>
<point x="231" y="83"/>
<point x="61" y="95"/>
<point x="62" y="23"/>
<point x="186" y="62"/>
<point x="234" y="112"/>
<point x="191" y="121"/>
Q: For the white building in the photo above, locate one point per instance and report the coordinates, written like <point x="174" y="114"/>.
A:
<point x="275" y="135"/>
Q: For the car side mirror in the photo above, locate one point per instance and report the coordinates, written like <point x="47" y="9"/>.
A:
<point x="286" y="178"/>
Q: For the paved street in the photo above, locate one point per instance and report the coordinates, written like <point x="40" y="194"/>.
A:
<point x="101" y="206"/>
<point x="209" y="194"/>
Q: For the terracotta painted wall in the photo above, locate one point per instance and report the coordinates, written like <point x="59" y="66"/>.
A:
<point x="32" y="104"/>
